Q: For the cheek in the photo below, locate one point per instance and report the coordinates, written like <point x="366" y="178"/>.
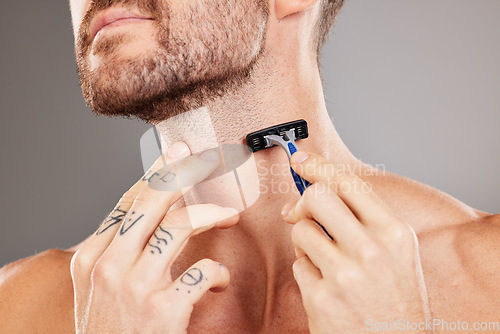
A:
<point x="78" y="8"/>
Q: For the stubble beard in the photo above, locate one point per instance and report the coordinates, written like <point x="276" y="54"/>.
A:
<point x="203" y="52"/>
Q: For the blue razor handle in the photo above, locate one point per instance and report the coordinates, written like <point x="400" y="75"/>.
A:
<point x="287" y="142"/>
<point x="301" y="183"/>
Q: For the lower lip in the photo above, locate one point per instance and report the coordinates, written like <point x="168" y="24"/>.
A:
<point x="120" y="23"/>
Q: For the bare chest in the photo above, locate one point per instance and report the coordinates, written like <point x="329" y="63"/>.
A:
<point x="250" y="306"/>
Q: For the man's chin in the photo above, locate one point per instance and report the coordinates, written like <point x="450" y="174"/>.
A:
<point x="150" y="89"/>
<point x="129" y="94"/>
<point x="106" y="52"/>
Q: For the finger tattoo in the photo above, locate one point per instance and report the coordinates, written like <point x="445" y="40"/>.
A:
<point x="193" y="277"/>
<point x="130" y="221"/>
<point x="161" y="238"/>
<point x="165" y="176"/>
<point x="114" y="218"/>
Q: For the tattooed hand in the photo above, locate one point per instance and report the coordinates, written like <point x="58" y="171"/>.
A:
<point x="121" y="274"/>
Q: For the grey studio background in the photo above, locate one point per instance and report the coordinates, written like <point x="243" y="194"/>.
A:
<point x="414" y="85"/>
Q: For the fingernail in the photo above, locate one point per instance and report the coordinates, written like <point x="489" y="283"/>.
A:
<point x="177" y="150"/>
<point x="299" y="157"/>
<point x="286" y="209"/>
<point x="233" y="211"/>
<point x="210" y="155"/>
<point x="294" y="268"/>
<point x="223" y="267"/>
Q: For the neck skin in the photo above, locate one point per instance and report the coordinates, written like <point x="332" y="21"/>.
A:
<point x="277" y="93"/>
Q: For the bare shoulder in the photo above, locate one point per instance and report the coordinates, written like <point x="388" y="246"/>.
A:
<point x="423" y="207"/>
<point x="467" y="252"/>
<point x="36" y="294"/>
<point x="461" y="265"/>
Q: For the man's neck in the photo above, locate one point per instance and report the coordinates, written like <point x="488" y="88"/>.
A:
<point x="275" y="94"/>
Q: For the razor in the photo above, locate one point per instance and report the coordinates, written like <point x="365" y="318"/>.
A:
<point x="284" y="136"/>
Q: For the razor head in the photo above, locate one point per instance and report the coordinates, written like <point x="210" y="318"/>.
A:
<point x="256" y="141"/>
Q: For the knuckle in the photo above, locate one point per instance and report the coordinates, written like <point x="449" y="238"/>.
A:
<point x="209" y="267"/>
<point x="81" y="262"/>
<point x="402" y="232"/>
<point x="370" y="253"/>
<point x="161" y="301"/>
<point x="168" y="307"/>
<point x="136" y="288"/>
<point x="211" y="271"/>
<point x="347" y="183"/>
<point x="176" y="218"/>
<point x="104" y="273"/>
<point x="403" y="239"/>
<point x="299" y="265"/>
<point x="349" y="276"/>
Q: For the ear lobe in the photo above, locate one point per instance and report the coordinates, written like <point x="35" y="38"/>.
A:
<point x="288" y="7"/>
